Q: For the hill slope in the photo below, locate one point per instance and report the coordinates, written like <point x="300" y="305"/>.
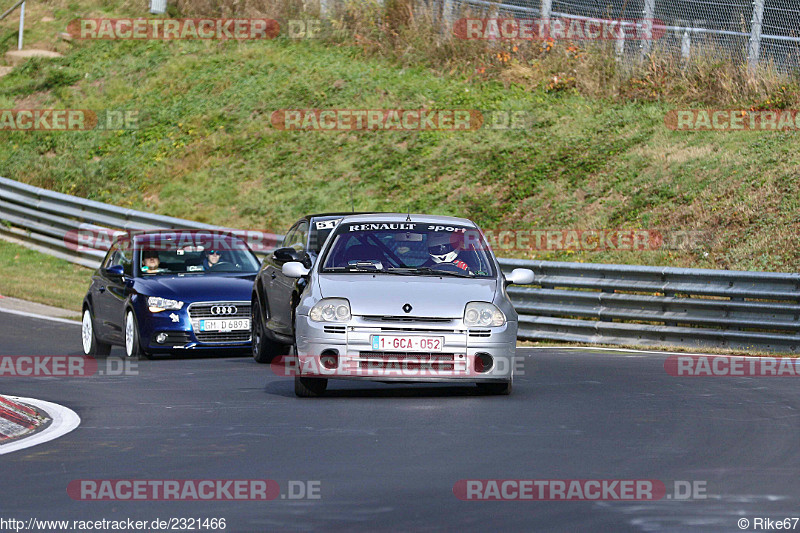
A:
<point x="205" y="149"/>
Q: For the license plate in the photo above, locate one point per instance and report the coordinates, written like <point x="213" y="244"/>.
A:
<point x="225" y="325"/>
<point x="407" y="343"/>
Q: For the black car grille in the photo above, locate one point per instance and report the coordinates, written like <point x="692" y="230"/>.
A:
<point x="407" y="319"/>
<point x="198" y="311"/>
<point x="407" y="360"/>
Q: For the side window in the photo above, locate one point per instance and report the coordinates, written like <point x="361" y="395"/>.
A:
<point x="302" y="236"/>
<point x="125" y="259"/>
<point x="297" y="236"/>
<point x="289" y="238"/>
<point x="113" y="253"/>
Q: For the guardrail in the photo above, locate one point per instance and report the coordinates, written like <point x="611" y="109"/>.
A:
<point x="574" y="302"/>
<point x="658" y="306"/>
<point x="52" y="222"/>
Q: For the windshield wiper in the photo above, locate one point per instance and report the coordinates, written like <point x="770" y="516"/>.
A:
<point x="428" y="271"/>
<point x="356" y="267"/>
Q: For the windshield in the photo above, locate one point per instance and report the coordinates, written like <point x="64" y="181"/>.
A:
<point x="198" y="254"/>
<point x="409" y="248"/>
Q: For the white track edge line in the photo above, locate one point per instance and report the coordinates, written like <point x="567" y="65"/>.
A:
<point x="64" y="421"/>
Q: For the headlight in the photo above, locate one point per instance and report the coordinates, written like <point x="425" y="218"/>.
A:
<point x="483" y="314"/>
<point x="330" y="310"/>
<point x="156" y="304"/>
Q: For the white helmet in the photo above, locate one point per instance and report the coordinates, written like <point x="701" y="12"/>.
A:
<point x="441" y="248"/>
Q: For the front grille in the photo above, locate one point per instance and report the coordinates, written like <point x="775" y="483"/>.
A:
<point x="202" y="310"/>
<point x="480" y="333"/>
<point x="408" y="361"/>
<point x="223" y="338"/>
<point x="399" y="356"/>
<point x="410" y="331"/>
<point x="407" y="319"/>
<point x="335" y="329"/>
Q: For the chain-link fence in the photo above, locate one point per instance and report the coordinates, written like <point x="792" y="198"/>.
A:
<point x="761" y="32"/>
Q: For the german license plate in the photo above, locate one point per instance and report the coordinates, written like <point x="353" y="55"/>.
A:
<point x="407" y="343"/>
<point x="225" y="325"/>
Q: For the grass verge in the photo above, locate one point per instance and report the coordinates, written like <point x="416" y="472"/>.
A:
<point x="40" y="278"/>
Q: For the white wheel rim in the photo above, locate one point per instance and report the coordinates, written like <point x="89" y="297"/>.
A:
<point x="129" y="334"/>
<point x="86" y="332"/>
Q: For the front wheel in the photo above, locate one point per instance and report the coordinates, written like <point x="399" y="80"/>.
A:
<point x="497" y="388"/>
<point x="310" y="387"/>
<point x="264" y="349"/>
<point x="133" y="347"/>
<point x="91" y="344"/>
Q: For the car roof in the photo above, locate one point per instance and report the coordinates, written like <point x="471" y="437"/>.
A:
<point x="332" y="215"/>
<point x="405" y="217"/>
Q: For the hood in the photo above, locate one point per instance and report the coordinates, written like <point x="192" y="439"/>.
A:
<point x="198" y="288"/>
<point x="386" y="295"/>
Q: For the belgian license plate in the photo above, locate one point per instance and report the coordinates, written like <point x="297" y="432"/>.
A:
<point x="407" y="343"/>
<point x="225" y="325"/>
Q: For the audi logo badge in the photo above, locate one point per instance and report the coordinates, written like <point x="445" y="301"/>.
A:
<point x="223" y="310"/>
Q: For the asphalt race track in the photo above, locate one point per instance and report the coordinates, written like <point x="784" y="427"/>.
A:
<point x="388" y="456"/>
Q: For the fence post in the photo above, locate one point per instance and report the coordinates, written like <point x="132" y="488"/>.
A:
<point x="547" y="8"/>
<point x="686" y="47"/>
<point x="21" y="25"/>
<point x="754" y="49"/>
<point x="646" y="26"/>
<point x="447" y="14"/>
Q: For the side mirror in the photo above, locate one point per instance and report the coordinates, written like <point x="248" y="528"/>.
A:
<point x="284" y="255"/>
<point x="115" y="271"/>
<point x="520" y="276"/>
<point x="294" y="269"/>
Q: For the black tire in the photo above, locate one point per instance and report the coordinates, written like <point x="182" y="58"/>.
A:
<point x="264" y="349"/>
<point x="91" y="344"/>
<point x="133" y="345"/>
<point x="496" y="388"/>
<point x="310" y="387"/>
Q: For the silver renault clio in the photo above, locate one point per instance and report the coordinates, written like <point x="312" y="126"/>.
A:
<point x="405" y="298"/>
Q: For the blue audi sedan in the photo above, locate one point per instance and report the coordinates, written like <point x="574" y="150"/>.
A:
<point x="169" y="292"/>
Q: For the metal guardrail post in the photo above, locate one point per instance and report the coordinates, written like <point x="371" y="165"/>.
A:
<point x="21" y="25"/>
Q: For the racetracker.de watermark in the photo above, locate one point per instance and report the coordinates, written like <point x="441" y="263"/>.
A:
<point x="573" y="29"/>
<point x="89" y="237"/>
<point x="173" y="29"/>
<point x="331" y="120"/>
<point x="731" y="366"/>
<point x="396" y="365"/>
<point x="69" y="366"/>
<point x="192" y="490"/>
<point x="67" y="120"/>
<point x="577" y="490"/>
<point x="583" y="240"/>
<point x="730" y="120"/>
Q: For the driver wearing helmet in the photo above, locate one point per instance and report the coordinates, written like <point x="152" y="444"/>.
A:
<point x="443" y="250"/>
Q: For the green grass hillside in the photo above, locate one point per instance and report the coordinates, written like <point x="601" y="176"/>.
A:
<point x="205" y="149"/>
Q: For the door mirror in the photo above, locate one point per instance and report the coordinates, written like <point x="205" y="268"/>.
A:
<point x="520" y="276"/>
<point x="293" y="269"/>
<point x="115" y="271"/>
<point x="284" y="255"/>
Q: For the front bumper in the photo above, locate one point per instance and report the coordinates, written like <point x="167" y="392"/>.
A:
<point x="345" y="351"/>
<point x="182" y="330"/>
